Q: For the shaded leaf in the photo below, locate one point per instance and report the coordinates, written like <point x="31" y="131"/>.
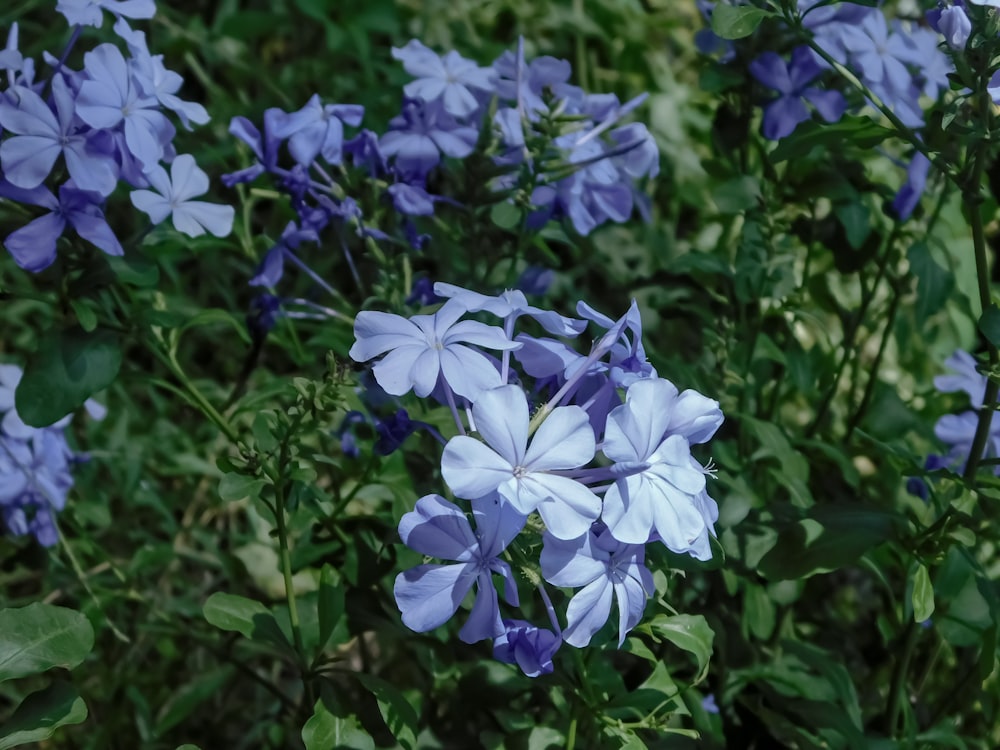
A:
<point x="69" y="367"/>
<point x="41" y="713"/>
<point x="42" y="636"/>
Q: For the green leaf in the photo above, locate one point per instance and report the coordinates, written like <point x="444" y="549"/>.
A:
<point x="737" y="195"/>
<point x="85" y="314"/>
<point x="989" y="324"/>
<point x="934" y="283"/>
<point x="397" y="713"/>
<point x="69" y="367"/>
<point x="41" y="713"/>
<point x="689" y="632"/>
<point x="330" y="604"/>
<point x="234" y="487"/>
<point x="134" y="269"/>
<point x="543" y="738"/>
<point x="324" y="731"/>
<point x="42" y="636"/>
<point x="856" y="220"/>
<point x="830" y="537"/>
<point x="860" y="132"/>
<point x="189" y="697"/>
<point x="506" y="215"/>
<point x="736" y="22"/>
<point x="213" y="316"/>
<point x="245" y="616"/>
<point x="923" y="595"/>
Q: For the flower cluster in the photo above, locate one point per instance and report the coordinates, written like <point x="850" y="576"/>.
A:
<point x="597" y="445"/>
<point x="100" y="125"/>
<point x="900" y="63"/>
<point x="563" y="153"/>
<point x="34" y="466"/>
<point x="958" y="431"/>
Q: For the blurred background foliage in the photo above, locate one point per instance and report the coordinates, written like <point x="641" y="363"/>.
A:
<point x="784" y="290"/>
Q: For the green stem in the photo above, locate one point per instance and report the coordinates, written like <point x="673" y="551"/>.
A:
<point x="571" y="734"/>
<point x="971" y="195"/>
<point x="893" y="707"/>
<point x="903" y="131"/>
<point x="286" y="569"/>
<point x="873" y="371"/>
<point x="196" y="396"/>
<point x="851" y="331"/>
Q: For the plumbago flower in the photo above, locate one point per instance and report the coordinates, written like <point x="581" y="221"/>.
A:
<point x="604" y="567"/>
<point x="427" y="348"/>
<point x="596" y="444"/>
<point x="958" y="431"/>
<point x="522" y="474"/>
<point x="173" y="198"/>
<point x="649" y="438"/>
<point x="574" y="153"/>
<point x="35" y="466"/>
<point x="105" y="123"/>
<point x="429" y="595"/>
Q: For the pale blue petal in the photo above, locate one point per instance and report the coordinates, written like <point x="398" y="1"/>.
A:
<point x="376" y="333"/>
<point x="484" y="620"/>
<point x="194" y="217"/>
<point x="429" y="595"/>
<point x="571" y="562"/>
<point x="472" y="469"/>
<point x="565" y="440"/>
<point x="425" y="370"/>
<point x="501" y="416"/>
<point x="467" y="371"/>
<point x="587" y="612"/>
<point x="393" y="372"/>
<point x="438" y="528"/>
<point x="628" y="509"/>
<point x="631" y="598"/>
<point x="567" y="507"/>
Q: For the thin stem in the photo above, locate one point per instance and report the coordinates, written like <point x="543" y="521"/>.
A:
<point x="195" y="395"/>
<point x="899" y="678"/>
<point x="851" y="332"/>
<point x="450" y="396"/>
<point x="971" y="195"/>
<point x="902" y="130"/>
<point x="873" y="371"/>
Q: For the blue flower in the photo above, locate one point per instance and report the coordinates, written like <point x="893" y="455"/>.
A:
<point x="510" y="305"/>
<point x="428" y="347"/>
<point x="317" y="130"/>
<point x="173" y="197"/>
<point x="662" y="486"/>
<point x="605" y="568"/>
<point x="908" y="197"/>
<point x="91" y="12"/>
<point x="528" y="646"/>
<point x="110" y="97"/>
<point x="966" y="377"/>
<point x="153" y="78"/>
<point x="429" y="595"/>
<point x="792" y="81"/>
<point x="34" y="466"/>
<point x="525" y="476"/>
<point x="952" y="23"/>
<point x="419" y="136"/>
<point x="33" y="246"/>
<point x="450" y="79"/>
<point x="41" y="135"/>
<point x="709" y="705"/>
